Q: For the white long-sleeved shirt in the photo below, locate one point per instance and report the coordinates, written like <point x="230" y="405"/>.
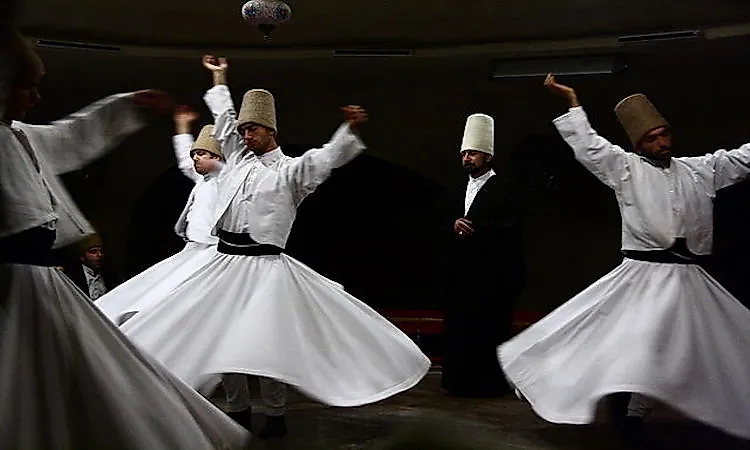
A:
<point x="473" y="186"/>
<point x="95" y="282"/>
<point x="657" y="204"/>
<point x="260" y="195"/>
<point x="198" y="216"/>
<point x="32" y="157"/>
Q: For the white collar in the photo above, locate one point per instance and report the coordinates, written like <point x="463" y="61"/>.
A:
<point x="271" y="157"/>
<point x="89" y="271"/>
<point x="658" y="163"/>
<point x="267" y="158"/>
<point x="482" y="178"/>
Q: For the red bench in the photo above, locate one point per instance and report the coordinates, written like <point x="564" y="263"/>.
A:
<point x="429" y="322"/>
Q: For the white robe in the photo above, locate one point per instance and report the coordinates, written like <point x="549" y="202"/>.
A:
<point x="69" y="379"/>
<point x="272" y="316"/>
<point x="63" y="146"/>
<point x="667" y="331"/>
<point x="158" y="281"/>
<point x="201" y="205"/>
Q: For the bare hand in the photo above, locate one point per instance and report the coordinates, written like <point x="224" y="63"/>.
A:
<point x="185" y="114"/>
<point x="355" y="115"/>
<point x="158" y="101"/>
<point x="462" y="227"/>
<point x="561" y="90"/>
<point x="215" y="64"/>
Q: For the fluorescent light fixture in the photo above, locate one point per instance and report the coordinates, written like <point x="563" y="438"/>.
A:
<point x="574" y="65"/>
<point x="662" y="36"/>
<point x="373" y="53"/>
<point x="69" y="45"/>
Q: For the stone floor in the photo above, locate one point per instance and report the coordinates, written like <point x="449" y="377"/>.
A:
<point x="426" y="419"/>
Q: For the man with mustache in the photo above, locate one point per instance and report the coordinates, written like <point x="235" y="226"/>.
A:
<point x="657" y="326"/>
<point x="481" y="268"/>
<point x="89" y="269"/>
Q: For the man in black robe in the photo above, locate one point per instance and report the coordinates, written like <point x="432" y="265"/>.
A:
<point x="88" y="269"/>
<point x="481" y="271"/>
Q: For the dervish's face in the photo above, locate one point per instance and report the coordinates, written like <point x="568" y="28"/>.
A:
<point x="656" y="144"/>
<point x="475" y="162"/>
<point x="23" y="95"/>
<point x="93" y="257"/>
<point x="204" y="161"/>
<point x="258" y="139"/>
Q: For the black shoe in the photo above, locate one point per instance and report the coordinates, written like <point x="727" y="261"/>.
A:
<point x="244" y="418"/>
<point x="275" y="427"/>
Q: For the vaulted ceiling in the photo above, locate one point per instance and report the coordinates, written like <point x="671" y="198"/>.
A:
<point x="315" y="24"/>
<point x="452" y="44"/>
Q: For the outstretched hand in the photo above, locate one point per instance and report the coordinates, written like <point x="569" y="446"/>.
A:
<point x="218" y="68"/>
<point x="155" y="100"/>
<point x="355" y="115"/>
<point x="215" y="64"/>
<point x="561" y="90"/>
<point x="185" y="114"/>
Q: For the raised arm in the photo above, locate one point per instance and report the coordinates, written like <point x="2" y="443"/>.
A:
<point x="219" y="102"/>
<point x="602" y="158"/>
<point x="77" y="140"/>
<point x="183" y="141"/>
<point x="310" y="170"/>
<point x="730" y="167"/>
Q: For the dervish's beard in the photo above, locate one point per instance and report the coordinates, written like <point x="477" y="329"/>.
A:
<point x="471" y="168"/>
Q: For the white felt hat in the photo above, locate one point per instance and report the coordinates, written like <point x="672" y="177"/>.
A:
<point x="479" y="134"/>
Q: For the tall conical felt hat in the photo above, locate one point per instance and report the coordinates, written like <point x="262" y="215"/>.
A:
<point x="638" y="116"/>
<point x="479" y="134"/>
<point x="18" y="63"/>
<point x="92" y="240"/>
<point x="28" y="65"/>
<point x="6" y="69"/>
<point x="207" y="142"/>
<point x="258" y="107"/>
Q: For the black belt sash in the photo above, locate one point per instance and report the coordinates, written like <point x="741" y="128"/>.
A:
<point x="677" y="254"/>
<point x="32" y="246"/>
<point x="242" y="244"/>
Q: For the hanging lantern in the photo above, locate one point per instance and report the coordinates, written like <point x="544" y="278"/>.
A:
<point x="266" y="14"/>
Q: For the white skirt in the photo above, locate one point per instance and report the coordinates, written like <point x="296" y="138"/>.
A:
<point x="667" y="331"/>
<point x="70" y="380"/>
<point x="273" y="316"/>
<point x="154" y="283"/>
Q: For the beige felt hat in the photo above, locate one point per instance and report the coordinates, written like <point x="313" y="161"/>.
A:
<point x="638" y="116"/>
<point x="258" y="107"/>
<point x="28" y="64"/>
<point x="92" y="240"/>
<point x="207" y="142"/>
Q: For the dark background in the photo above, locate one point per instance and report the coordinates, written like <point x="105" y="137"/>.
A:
<point x="368" y="226"/>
